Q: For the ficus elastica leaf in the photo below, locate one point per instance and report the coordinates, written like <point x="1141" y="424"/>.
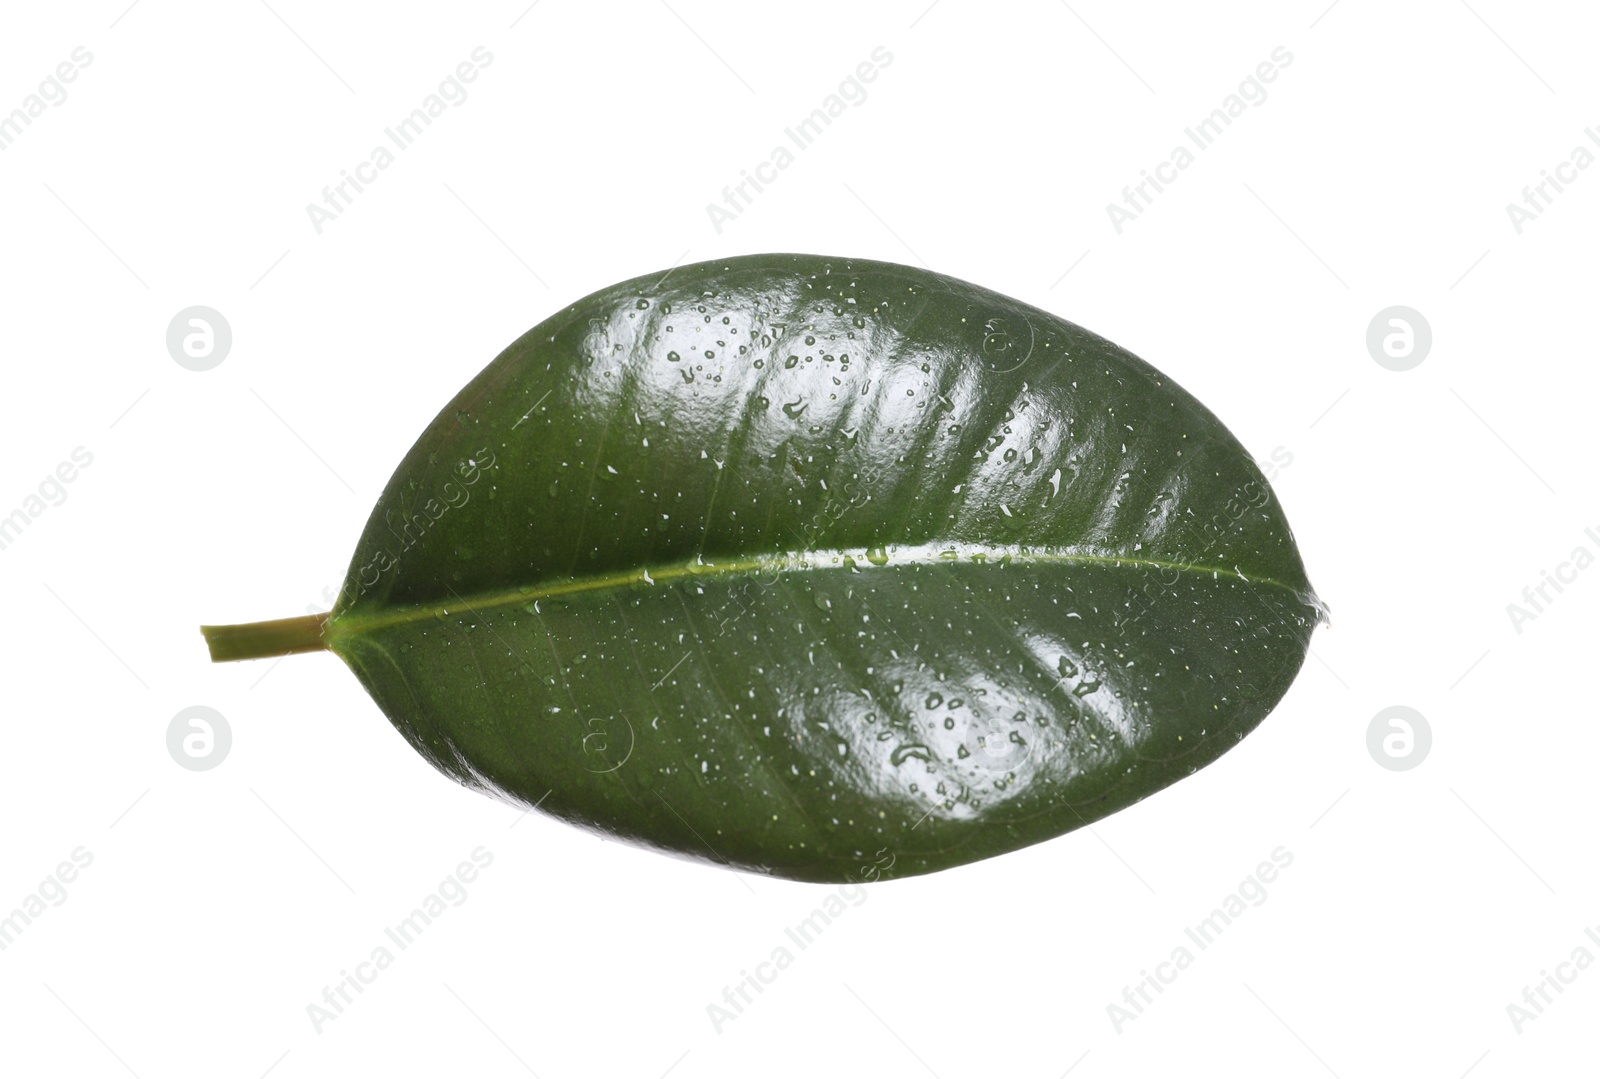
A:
<point x="807" y="565"/>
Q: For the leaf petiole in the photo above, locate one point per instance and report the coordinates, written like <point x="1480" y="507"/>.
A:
<point x="262" y="640"/>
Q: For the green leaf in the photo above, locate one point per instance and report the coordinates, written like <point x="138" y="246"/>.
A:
<point x="815" y="567"/>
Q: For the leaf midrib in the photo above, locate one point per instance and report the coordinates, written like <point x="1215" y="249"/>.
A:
<point x="342" y="625"/>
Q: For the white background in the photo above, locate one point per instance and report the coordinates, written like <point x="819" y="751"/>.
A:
<point x="219" y="904"/>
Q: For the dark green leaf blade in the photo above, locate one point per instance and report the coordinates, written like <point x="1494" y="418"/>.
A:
<point x="786" y="561"/>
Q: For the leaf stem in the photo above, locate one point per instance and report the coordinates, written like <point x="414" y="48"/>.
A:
<point x="262" y="640"/>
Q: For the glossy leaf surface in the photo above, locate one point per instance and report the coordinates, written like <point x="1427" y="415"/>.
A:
<point x="794" y="563"/>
